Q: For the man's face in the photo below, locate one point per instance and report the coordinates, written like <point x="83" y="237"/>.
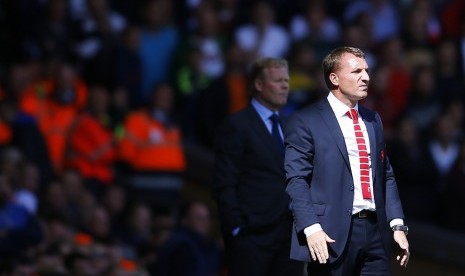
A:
<point x="351" y="78"/>
<point x="273" y="88"/>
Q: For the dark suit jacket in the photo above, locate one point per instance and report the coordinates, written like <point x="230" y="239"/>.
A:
<point x="249" y="179"/>
<point x="319" y="179"/>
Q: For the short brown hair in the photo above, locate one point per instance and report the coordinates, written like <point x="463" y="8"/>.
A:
<point x="258" y="67"/>
<point x="332" y="61"/>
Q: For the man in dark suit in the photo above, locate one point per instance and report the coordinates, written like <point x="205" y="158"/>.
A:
<point x="342" y="187"/>
<point x="249" y="179"/>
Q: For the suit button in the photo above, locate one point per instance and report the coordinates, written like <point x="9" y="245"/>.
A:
<point x="351" y="187"/>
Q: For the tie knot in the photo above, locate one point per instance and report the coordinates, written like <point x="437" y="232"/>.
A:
<point x="274" y="118"/>
<point x="352" y="114"/>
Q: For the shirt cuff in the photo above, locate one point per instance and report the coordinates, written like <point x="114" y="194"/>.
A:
<point x="396" y="221"/>
<point x="312" y="229"/>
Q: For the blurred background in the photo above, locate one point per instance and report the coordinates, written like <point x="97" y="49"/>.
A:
<point x="108" y="111"/>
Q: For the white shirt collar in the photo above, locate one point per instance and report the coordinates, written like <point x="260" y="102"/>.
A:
<point x="263" y="111"/>
<point x="339" y="108"/>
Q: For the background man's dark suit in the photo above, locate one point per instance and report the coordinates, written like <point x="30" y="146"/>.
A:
<point x="250" y="190"/>
<point x="314" y="135"/>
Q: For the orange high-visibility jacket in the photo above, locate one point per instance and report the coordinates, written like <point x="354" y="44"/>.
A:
<point x="5" y="133"/>
<point x="54" y="119"/>
<point x="147" y="145"/>
<point x="91" y="150"/>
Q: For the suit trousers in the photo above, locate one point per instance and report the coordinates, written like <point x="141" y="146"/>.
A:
<point x="249" y="256"/>
<point x="364" y="253"/>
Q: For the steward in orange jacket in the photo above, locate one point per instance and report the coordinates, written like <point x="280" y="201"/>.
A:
<point x="151" y="142"/>
<point x="55" y="104"/>
<point x="148" y="145"/>
<point x="91" y="148"/>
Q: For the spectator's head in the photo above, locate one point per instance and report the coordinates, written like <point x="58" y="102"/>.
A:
<point x="30" y="176"/>
<point x="207" y="20"/>
<point x="99" y="100"/>
<point x="195" y="215"/>
<point x="424" y="83"/>
<point x="11" y="159"/>
<point x="407" y="131"/>
<point x="140" y="218"/>
<point x="98" y="223"/>
<point x="163" y="97"/>
<point x="97" y="8"/>
<point x="445" y="130"/>
<point x="6" y="191"/>
<point x="72" y="184"/>
<point x="65" y="77"/>
<point x="114" y="200"/>
<point x="157" y="13"/>
<point x="269" y="82"/>
<point x="263" y="14"/>
<point x="235" y="58"/>
<point x="55" y="198"/>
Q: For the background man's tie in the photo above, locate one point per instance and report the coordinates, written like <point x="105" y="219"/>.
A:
<point x="275" y="132"/>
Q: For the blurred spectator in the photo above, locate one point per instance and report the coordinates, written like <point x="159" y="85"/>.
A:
<point x="223" y="96"/>
<point x="421" y="27"/>
<point x="398" y="81"/>
<point x="443" y="147"/>
<point x="382" y="16"/>
<point x="317" y="27"/>
<point x="55" y="103"/>
<point x="10" y="161"/>
<point x="98" y="34"/>
<point x="159" y="33"/>
<point x="452" y="16"/>
<point x="303" y="72"/>
<point x="207" y="38"/>
<point x="449" y="74"/>
<point x="20" y="130"/>
<point x="91" y="146"/>
<point x="190" y="83"/>
<point x="25" y="193"/>
<point x="19" y="230"/>
<point x="97" y="225"/>
<point x="54" y="32"/>
<point x="423" y="106"/>
<point x="455" y="193"/>
<point x="153" y="152"/>
<point x="190" y="250"/>
<point x="228" y="11"/>
<point x="262" y="37"/>
<point x="6" y="114"/>
<point x="414" y="173"/>
<point x="136" y="233"/>
<point x="115" y="202"/>
<point x="128" y="70"/>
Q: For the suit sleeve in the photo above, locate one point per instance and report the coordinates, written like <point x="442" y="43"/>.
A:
<point x="299" y="168"/>
<point x="393" y="203"/>
<point x="229" y="149"/>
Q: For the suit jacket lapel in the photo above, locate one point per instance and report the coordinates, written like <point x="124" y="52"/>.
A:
<point x="260" y="129"/>
<point x="332" y="124"/>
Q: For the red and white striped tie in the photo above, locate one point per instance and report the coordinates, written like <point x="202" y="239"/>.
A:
<point x="363" y="155"/>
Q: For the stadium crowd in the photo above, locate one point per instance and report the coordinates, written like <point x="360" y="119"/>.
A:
<point x="101" y="100"/>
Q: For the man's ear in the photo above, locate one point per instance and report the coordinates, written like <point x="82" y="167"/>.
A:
<point x="258" y="84"/>
<point x="334" y="79"/>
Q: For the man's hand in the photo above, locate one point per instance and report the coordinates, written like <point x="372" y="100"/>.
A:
<point x="318" y="247"/>
<point x="404" y="254"/>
